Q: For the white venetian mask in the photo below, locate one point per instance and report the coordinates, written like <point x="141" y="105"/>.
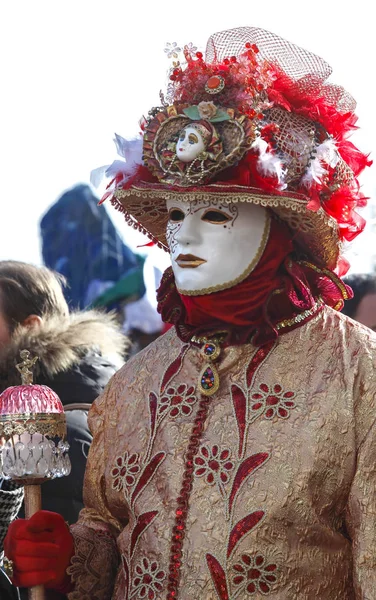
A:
<point x="214" y="245"/>
<point x="190" y="144"/>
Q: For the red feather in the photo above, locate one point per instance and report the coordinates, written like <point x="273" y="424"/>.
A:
<point x="356" y="160"/>
<point x="341" y="206"/>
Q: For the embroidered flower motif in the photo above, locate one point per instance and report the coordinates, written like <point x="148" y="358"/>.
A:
<point x="178" y="401"/>
<point x="207" y="110"/>
<point x="149" y="580"/>
<point x="172" y="50"/>
<point x="125" y="472"/>
<point x="213" y="464"/>
<point x="254" y="575"/>
<point x="272" y="402"/>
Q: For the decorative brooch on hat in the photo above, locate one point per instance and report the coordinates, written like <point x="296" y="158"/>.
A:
<point x="255" y="121"/>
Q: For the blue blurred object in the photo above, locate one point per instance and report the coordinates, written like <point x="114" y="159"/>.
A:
<point x="80" y="241"/>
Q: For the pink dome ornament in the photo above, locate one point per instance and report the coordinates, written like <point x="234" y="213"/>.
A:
<point x="33" y="446"/>
<point x="32" y="430"/>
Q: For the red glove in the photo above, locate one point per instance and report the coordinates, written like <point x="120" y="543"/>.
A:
<point x="41" y="548"/>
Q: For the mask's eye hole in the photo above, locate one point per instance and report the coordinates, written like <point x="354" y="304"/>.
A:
<point x="176" y="215"/>
<point x="215" y="216"/>
<point x="192" y="138"/>
<point x="182" y="136"/>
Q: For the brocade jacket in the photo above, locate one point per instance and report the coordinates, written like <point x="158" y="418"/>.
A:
<point x="267" y="488"/>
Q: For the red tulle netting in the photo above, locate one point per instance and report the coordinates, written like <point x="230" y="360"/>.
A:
<point x="285" y="87"/>
<point x="306" y="71"/>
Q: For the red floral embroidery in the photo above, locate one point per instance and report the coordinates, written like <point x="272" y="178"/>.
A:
<point x="143" y="522"/>
<point x="242" y="528"/>
<point x="253" y="574"/>
<point x="257" y="360"/>
<point x="125" y="472"/>
<point x="178" y="401"/>
<point x="173" y="369"/>
<point x="147" y="474"/>
<point x="218" y="577"/>
<point x="272" y="402"/>
<point x="240" y="404"/>
<point x="148" y="581"/>
<point x="213" y="464"/>
<point x="245" y="469"/>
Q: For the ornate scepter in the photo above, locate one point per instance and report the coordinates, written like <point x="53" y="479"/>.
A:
<point x="33" y="439"/>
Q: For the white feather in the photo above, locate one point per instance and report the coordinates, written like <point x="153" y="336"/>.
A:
<point x="268" y="163"/>
<point x="326" y="153"/>
<point x="315" y="172"/>
<point x="97" y="175"/>
<point x="130" y="151"/>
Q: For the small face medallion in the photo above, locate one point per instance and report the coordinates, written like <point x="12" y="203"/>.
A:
<point x="190" y="144"/>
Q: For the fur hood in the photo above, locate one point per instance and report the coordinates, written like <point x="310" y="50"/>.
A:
<point x="62" y="343"/>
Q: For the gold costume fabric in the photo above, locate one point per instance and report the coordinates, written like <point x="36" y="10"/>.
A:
<point x="267" y="488"/>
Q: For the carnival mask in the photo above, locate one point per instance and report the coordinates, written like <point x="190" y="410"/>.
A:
<point x="214" y="245"/>
<point x="191" y="144"/>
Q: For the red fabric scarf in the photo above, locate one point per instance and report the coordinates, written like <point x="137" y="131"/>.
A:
<point x="251" y="309"/>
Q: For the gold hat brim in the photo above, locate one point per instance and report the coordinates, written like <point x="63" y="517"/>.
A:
<point x="144" y="207"/>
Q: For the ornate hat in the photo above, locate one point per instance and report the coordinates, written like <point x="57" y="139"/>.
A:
<point x="254" y="121"/>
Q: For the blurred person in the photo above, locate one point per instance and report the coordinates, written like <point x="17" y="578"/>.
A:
<point x="362" y="307"/>
<point x="141" y="321"/>
<point x="77" y="354"/>
<point x="80" y="241"/>
<point x="235" y="456"/>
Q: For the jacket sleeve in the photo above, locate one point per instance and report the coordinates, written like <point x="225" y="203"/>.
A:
<point x="95" y="562"/>
<point x="11" y="497"/>
<point x="361" y="507"/>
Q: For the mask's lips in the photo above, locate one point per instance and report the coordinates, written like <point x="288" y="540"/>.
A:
<point x="189" y="261"/>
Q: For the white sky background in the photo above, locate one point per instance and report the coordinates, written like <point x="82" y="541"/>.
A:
<point x="75" y="72"/>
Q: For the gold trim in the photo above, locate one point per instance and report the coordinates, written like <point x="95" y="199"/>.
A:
<point x="214" y="338"/>
<point x="244" y="275"/>
<point x="315" y="231"/>
<point x="332" y="276"/>
<point x="297" y="204"/>
<point x="301" y="316"/>
<point x="51" y="424"/>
